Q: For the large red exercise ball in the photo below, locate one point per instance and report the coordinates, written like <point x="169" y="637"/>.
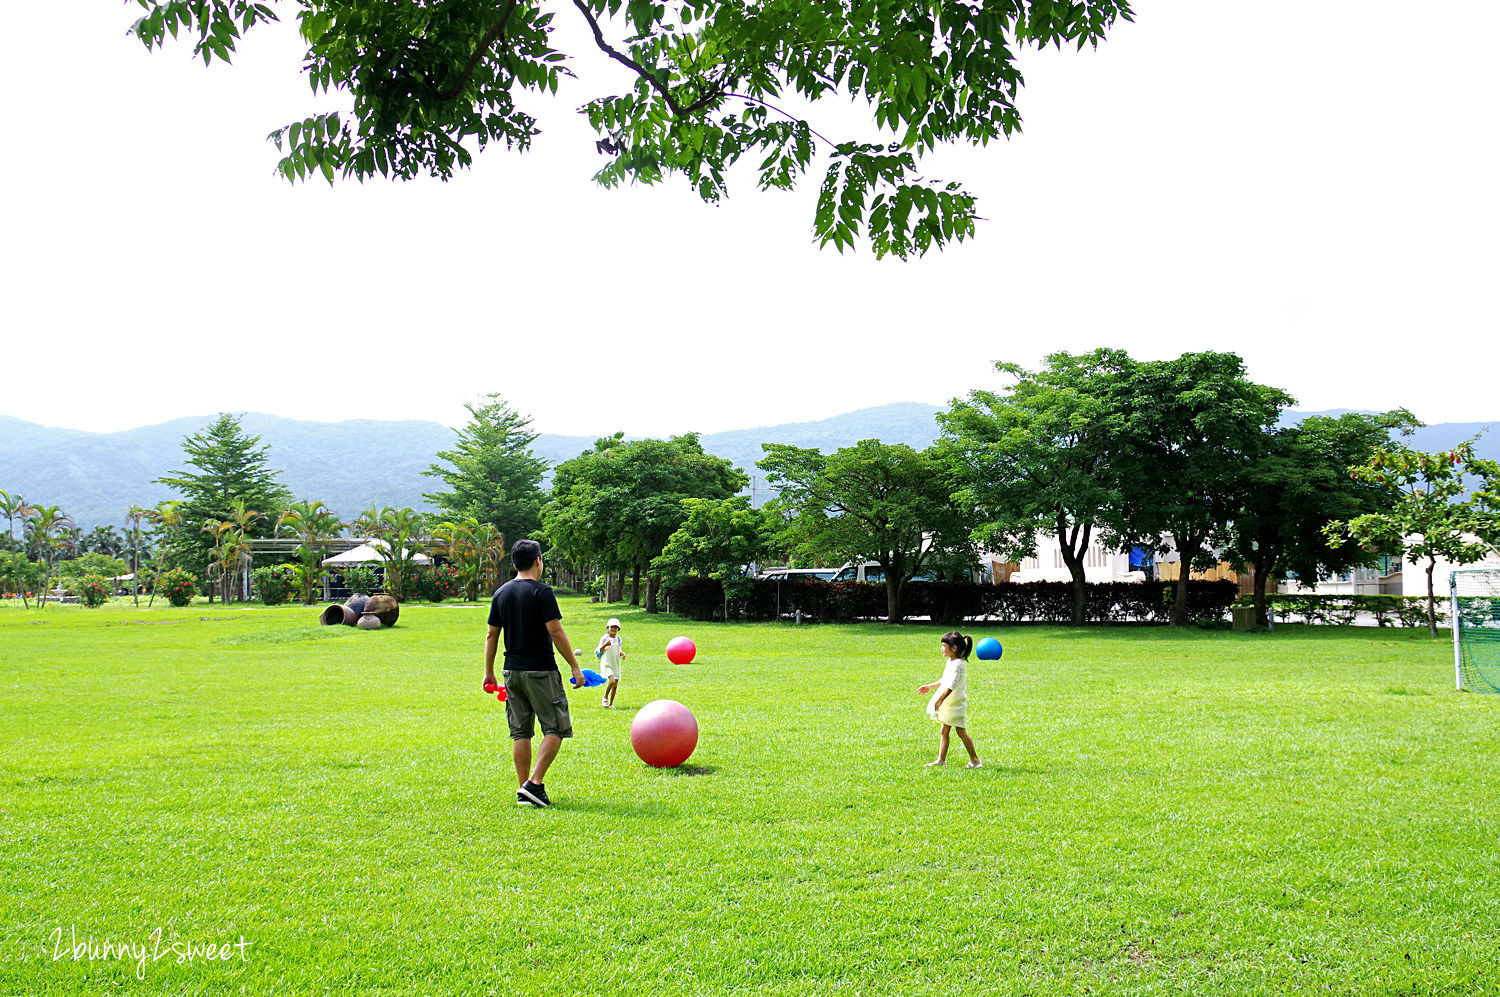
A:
<point x="680" y="650"/>
<point x="664" y="733"/>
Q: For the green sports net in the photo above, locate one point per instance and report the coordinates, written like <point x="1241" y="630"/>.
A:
<point x="1476" y="605"/>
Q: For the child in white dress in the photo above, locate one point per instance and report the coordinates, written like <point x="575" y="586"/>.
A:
<point x="610" y="651"/>
<point x="950" y="701"/>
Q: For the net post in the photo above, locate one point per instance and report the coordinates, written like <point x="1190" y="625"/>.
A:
<point x="1457" y="624"/>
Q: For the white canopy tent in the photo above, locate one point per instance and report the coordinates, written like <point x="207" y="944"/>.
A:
<point x="368" y="553"/>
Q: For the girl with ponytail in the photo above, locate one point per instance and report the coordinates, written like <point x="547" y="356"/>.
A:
<point x="951" y="697"/>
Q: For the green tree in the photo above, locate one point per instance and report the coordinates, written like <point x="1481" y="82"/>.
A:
<point x="1433" y="511"/>
<point x="230" y="554"/>
<point x="133" y="519"/>
<point x="477" y="551"/>
<point x="398" y="535"/>
<point x="713" y="81"/>
<point x="718" y="540"/>
<point x="13" y="507"/>
<point x="47" y="531"/>
<point x="1191" y="430"/>
<point x="873" y="502"/>
<point x="491" y="473"/>
<point x="18" y="575"/>
<point x="619" y="503"/>
<point x="71" y="571"/>
<point x="313" y="524"/>
<point x="231" y="467"/>
<point x="1299" y="483"/>
<point x="1038" y="457"/>
<point x="166" y="518"/>
<point x="103" y="540"/>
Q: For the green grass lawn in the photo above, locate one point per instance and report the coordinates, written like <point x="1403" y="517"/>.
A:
<point x="1306" y="811"/>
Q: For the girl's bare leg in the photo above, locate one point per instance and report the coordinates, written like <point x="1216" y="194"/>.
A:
<point x="963" y="735"/>
<point x="942" y="747"/>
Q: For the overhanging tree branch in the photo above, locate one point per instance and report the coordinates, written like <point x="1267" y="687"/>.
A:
<point x="656" y="84"/>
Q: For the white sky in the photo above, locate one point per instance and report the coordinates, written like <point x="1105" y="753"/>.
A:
<point x="1309" y="183"/>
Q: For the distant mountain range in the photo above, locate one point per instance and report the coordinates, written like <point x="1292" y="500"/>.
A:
<point x="353" y="465"/>
<point x="350" y="465"/>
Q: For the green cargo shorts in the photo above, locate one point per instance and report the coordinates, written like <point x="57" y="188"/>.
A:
<point x="533" y="697"/>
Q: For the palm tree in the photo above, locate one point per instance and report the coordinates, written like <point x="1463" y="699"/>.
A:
<point x="167" y="517"/>
<point x="50" y="530"/>
<point x="313" y="523"/>
<point x="398" y="532"/>
<point x="490" y="543"/>
<point x="14" y="507"/>
<point x="103" y="540"/>
<point x="133" y="517"/>
<point x="472" y="547"/>
<point x="231" y="545"/>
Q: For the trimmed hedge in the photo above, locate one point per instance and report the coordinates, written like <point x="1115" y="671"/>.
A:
<point x="953" y="602"/>
<point x="1341" y="609"/>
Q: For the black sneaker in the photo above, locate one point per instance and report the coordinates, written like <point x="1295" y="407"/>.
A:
<point x="521" y="800"/>
<point x="532" y="793"/>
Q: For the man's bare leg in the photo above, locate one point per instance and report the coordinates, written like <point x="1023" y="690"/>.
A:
<point x="544" y="756"/>
<point x="521" y="752"/>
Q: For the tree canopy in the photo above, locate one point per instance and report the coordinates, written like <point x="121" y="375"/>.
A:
<point x="1434" y="510"/>
<point x="872" y="502"/>
<point x="1039" y="457"/>
<point x="718" y="540"/>
<point x="1300" y="482"/>
<point x="233" y="474"/>
<point x="491" y="473"/>
<point x="713" y="82"/>
<point x="620" y="502"/>
<point x="1191" y="429"/>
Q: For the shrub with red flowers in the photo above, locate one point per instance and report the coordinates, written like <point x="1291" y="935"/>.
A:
<point x="437" y="584"/>
<point x="178" y="586"/>
<point x="92" y="590"/>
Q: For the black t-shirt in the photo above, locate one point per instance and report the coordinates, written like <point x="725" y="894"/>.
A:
<point x="521" y="609"/>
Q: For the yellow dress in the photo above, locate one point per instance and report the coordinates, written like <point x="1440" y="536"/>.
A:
<point x="953" y="709"/>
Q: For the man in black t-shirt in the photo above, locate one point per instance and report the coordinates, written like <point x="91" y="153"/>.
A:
<point x="526" y="611"/>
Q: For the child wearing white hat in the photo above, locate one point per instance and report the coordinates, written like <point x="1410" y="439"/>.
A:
<point x="610" y="651"/>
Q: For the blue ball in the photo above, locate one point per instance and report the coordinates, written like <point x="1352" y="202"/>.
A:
<point x="989" y="649"/>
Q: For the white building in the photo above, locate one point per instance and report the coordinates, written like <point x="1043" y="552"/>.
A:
<point x="1099" y="564"/>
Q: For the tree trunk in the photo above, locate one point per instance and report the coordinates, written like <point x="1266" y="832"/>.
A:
<point x="1073" y="548"/>
<point x="1258" y="596"/>
<point x="1080" y="587"/>
<point x="635" y="586"/>
<point x="893" y="585"/>
<point x="1431" y="601"/>
<point x="653" y="585"/>
<point x="614" y="587"/>
<point x="1186" y="552"/>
